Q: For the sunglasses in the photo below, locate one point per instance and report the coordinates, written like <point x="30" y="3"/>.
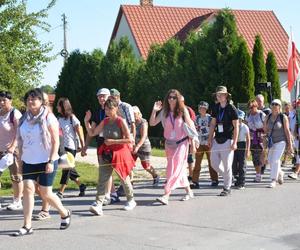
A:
<point x="172" y="97"/>
<point x="275" y="104"/>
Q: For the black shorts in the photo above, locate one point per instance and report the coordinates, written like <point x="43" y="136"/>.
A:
<point x="37" y="173"/>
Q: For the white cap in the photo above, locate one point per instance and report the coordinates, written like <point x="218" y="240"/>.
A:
<point x="276" y="101"/>
<point x="103" y="91"/>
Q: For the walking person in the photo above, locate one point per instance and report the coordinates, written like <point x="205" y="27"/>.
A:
<point x="223" y="135"/>
<point x="278" y="136"/>
<point x="142" y="148"/>
<point x="38" y="142"/>
<point x="9" y="120"/>
<point x="242" y="152"/>
<point x="202" y="124"/>
<point x="70" y="126"/>
<point x="255" y="121"/>
<point x="173" y="115"/>
<point x="114" y="154"/>
<point x="98" y="116"/>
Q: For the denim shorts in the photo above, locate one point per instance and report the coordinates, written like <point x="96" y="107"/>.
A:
<point x="37" y="173"/>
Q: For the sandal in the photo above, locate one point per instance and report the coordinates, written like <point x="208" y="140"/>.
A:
<point x="65" y="221"/>
<point x="42" y="215"/>
<point x="23" y="231"/>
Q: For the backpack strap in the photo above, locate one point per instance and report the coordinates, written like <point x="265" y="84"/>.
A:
<point x="12" y="116"/>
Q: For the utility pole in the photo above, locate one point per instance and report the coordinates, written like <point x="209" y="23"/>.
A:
<point x="64" y="52"/>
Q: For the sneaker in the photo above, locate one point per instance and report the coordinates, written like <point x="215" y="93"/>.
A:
<point x="214" y="183"/>
<point x="225" y="192"/>
<point x="130" y="205"/>
<point x="106" y="201"/>
<point x="120" y="191"/>
<point x="156" y="181"/>
<point x="163" y="200"/>
<point x="188" y="196"/>
<point x="272" y="184"/>
<point x="114" y="198"/>
<point x="96" y="209"/>
<point x="16" y="205"/>
<point x="240" y="187"/>
<point x="280" y="177"/>
<point x="60" y="195"/>
<point x="257" y="178"/>
<point x="293" y="176"/>
<point x="195" y="185"/>
<point x="82" y="189"/>
<point x="262" y="170"/>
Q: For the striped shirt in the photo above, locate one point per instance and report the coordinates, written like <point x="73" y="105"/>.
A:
<point x="126" y="112"/>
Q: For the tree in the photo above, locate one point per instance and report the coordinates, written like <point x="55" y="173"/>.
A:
<point x="22" y="55"/>
<point x="119" y="66"/>
<point x="243" y="75"/>
<point x="47" y="89"/>
<point x="260" y="73"/>
<point x="272" y="75"/>
<point x="79" y="81"/>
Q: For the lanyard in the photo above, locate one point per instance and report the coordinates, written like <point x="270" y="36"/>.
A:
<point x="172" y="119"/>
<point x="220" y="116"/>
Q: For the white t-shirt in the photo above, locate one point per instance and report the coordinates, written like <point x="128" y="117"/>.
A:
<point x="8" y="129"/>
<point x="33" y="150"/>
<point x="68" y="129"/>
<point x="243" y="132"/>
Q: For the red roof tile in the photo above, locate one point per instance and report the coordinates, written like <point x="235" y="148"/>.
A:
<point x="158" y="24"/>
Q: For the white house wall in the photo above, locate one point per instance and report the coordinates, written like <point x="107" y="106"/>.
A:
<point x="124" y="30"/>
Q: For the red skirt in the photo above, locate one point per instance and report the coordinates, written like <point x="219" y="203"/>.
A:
<point x="122" y="160"/>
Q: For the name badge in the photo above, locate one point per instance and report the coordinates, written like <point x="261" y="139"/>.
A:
<point x="173" y="135"/>
<point x="220" y="128"/>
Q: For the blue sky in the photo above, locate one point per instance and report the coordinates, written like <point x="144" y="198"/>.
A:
<point x="90" y="22"/>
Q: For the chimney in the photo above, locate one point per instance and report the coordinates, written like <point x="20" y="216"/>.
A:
<point x="146" y="3"/>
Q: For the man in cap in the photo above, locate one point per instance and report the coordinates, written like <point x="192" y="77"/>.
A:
<point x="202" y="125"/>
<point x="223" y="135"/>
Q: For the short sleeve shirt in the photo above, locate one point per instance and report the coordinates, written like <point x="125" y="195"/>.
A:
<point x="67" y="126"/>
<point x="202" y="126"/>
<point x="8" y="128"/>
<point x="224" y="117"/>
<point x="33" y="149"/>
<point x="126" y="112"/>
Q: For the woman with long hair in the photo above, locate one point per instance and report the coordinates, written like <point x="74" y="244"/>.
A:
<point x="38" y="142"/>
<point x="172" y="116"/>
<point x="70" y="127"/>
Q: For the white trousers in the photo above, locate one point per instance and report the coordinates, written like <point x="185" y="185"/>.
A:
<point x="274" y="156"/>
<point x="222" y="153"/>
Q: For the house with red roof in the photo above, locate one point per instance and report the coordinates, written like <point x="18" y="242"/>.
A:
<point x="147" y="24"/>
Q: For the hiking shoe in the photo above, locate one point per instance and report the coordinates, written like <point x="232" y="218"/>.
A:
<point x="293" y="176"/>
<point x="96" y="209"/>
<point x="195" y="185"/>
<point x="82" y="189"/>
<point x="156" y="181"/>
<point x="272" y="184"/>
<point x="120" y="191"/>
<point x="60" y="195"/>
<point x="130" y="205"/>
<point x="225" y="192"/>
<point x="280" y="177"/>
<point x="214" y="183"/>
<point x="15" y="206"/>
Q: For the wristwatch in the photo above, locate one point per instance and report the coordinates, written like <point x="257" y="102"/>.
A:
<point x="51" y="162"/>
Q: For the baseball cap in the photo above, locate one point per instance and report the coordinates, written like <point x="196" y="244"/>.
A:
<point x="103" y="91"/>
<point x="241" y="114"/>
<point x="114" y="92"/>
